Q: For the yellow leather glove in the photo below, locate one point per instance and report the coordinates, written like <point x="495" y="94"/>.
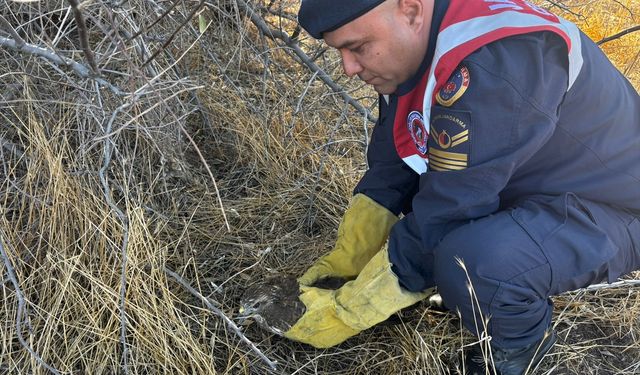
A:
<point x="332" y="316"/>
<point x="319" y="326"/>
<point x="362" y="232"/>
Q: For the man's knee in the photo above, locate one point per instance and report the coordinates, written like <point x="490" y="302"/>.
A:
<point x="492" y="270"/>
<point x="481" y="255"/>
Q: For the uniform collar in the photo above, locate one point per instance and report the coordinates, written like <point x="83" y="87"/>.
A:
<point x="439" y="9"/>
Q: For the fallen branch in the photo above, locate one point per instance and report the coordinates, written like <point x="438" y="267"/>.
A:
<point x="21" y="309"/>
<point x="618" y="35"/>
<point x="78" y="68"/>
<point x="217" y="311"/>
<point x="304" y="58"/>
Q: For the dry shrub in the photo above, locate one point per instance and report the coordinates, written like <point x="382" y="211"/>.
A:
<point x="94" y="183"/>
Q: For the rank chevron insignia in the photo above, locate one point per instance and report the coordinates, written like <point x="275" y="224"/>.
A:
<point x="446" y="141"/>
<point x="449" y="139"/>
<point x="447" y="161"/>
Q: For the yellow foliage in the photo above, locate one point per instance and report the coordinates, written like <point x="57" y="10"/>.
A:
<point x="603" y="18"/>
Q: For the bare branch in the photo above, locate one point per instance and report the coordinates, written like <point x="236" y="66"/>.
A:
<point x="210" y="305"/>
<point x="175" y="32"/>
<point x="163" y="15"/>
<point x="564" y="8"/>
<point x="280" y="13"/>
<point x="618" y="35"/>
<point x="21" y="309"/>
<point x="5" y="24"/>
<point x="291" y="43"/>
<point x="53" y="57"/>
<point x="138" y="44"/>
<point x="83" y="36"/>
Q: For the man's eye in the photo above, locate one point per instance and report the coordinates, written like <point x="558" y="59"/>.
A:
<point x="358" y="49"/>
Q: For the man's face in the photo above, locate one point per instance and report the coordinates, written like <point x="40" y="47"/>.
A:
<point x="384" y="47"/>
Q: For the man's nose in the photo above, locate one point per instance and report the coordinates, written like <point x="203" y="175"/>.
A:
<point x="350" y="64"/>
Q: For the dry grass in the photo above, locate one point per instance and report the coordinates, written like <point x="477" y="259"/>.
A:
<point x="92" y="181"/>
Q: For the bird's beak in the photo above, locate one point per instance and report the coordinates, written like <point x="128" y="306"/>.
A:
<point x="243" y="315"/>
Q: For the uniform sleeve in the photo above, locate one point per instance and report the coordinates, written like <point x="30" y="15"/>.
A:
<point x="388" y="181"/>
<point x="479" y="136"/>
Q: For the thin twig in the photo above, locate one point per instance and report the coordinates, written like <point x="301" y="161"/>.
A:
<point x="138" y="44"/>
<point x="152" y="24"/>
<point x="106" y="160"/>
<point x="137" y="96"/>
<point x="565" y="8"/>
<point x="625" y="283"/>
<point x="62" y="28"/>
<point x="206" y="165"/>
<point x="83" y="36"/>
<point x="219" y="312"/>
<point x="304" y="93"/>
<point x="632" y="63"/>
<point x="618" y="35"/>
<point x="262" y="254"/>
<point x="279" y="13"/>
<point x="304" y="58"/>
<point x="173" y="35"/>
<point x="52" y="56"/>
<point x="366" y="140"/>
<point x="21" y="309"/>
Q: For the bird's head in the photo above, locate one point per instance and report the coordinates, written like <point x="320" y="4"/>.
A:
<point x="273" y="304"/>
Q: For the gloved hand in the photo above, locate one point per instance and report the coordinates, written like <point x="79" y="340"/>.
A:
<point x="361" y="234"/>
<point x="333" y="316"/>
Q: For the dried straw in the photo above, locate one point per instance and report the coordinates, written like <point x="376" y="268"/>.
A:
<point x="225" y="159"/>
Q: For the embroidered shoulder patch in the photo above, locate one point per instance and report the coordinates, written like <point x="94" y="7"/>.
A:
<point x="449" y="140"/>
<point x="418" y="132"/>
<point x="454" y="88"/>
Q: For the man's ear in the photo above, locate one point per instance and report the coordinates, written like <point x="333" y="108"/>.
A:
<point x="413" y="12"/>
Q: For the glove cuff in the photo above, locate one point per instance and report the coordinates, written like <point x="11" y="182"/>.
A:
<point x="363" y="231"/>
<point x="374" y="296"/>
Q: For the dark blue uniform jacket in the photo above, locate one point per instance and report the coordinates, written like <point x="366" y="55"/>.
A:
<point x="527" y="136"/>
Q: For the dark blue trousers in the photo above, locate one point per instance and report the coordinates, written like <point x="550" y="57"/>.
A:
<point x="515" y="259"/>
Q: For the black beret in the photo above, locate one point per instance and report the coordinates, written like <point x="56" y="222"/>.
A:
<point x="321" y="16"/>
